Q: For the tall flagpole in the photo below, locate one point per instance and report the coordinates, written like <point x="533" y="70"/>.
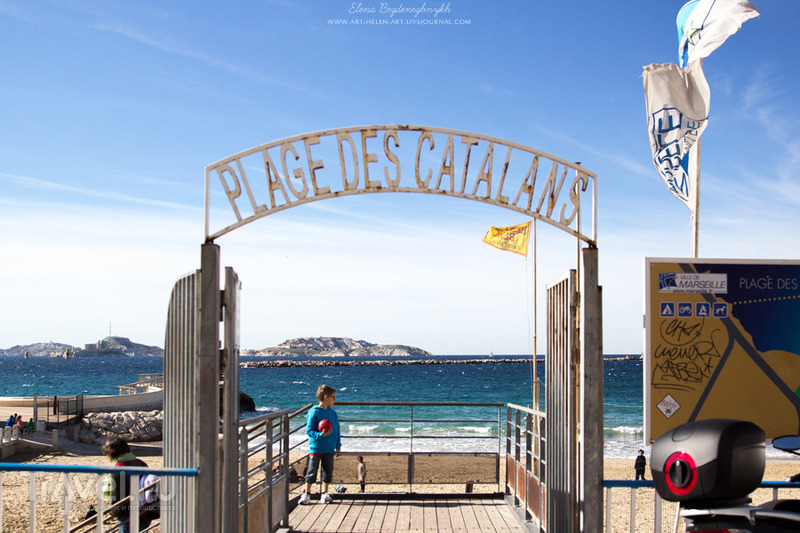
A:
<point x="534" y="377"/>
<point x="694" y="168"/>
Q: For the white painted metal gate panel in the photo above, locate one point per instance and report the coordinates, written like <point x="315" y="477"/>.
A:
<point x="561" y="405"/>
<point x="180" y="399"/>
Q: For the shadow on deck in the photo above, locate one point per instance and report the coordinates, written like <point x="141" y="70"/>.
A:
<point x="409" y="513"/>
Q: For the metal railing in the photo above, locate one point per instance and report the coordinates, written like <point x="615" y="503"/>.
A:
<point x="667" y="519"/>
<point x="143" y="384"/>
<point x="68" y="491"/>
<point x="525" y="463"/>
<point x="263" y="472"/>
<point x="61" y="410"/>
<point x="270" y="457"/>
<point x="526" y="483"/>
<point x="409" y="448"/>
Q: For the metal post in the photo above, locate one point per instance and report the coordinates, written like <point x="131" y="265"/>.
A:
<point x="230" y="416"/>
<point x="657" y="513"/>
<point x="133" y="502"/>
<point x="534" y="374"/>
<point x="508" y="444"/>
<point x="517" y="446"/>
<point x="694" y="169"/>
<point x="528" y="463"/>
<point x="286" y="460"/>
<point x="32" y="501"/>
<point x="270" y="430"/>
<point x="591" y="397"/>
<point x="633" y="510"/>
<point x="100" y="503"/>
<point x="208" y="480"/>
<point x="244" y="437"/>
<point x="499" y="446"/>
<point x="65" y="482"/>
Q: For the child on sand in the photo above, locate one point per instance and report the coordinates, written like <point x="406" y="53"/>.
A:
<point x="362" y="472"/>
<point x="324" y="441"/>
<point x="640" y="465"/>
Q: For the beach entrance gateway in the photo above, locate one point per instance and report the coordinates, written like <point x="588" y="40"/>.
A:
<point x="557" y="486"/>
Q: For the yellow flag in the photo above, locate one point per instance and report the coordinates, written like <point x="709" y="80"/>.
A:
<point x="512" y="239"/>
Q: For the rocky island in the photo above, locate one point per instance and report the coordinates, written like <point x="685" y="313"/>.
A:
<point x="349" y="352"/>
<point x="336" y="347"/>
<point x="108" y="347"/>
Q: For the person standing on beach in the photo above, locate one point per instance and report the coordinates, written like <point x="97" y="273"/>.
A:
<point x="640" y="465"/>
<point x="324" y="442"/>
<point x="117" y="485"/>
<point x="362" y="472"/>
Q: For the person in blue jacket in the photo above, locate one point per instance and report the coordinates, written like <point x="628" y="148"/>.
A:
<point x="324" y="442"/>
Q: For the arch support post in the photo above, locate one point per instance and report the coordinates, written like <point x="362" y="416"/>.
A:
<point x="208" y="480"/>
<point x="590" y="446"/>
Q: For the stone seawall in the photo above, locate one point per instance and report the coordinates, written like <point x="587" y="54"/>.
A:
<point x="132" y="426"/>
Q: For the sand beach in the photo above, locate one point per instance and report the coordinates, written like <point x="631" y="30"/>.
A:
<point x="49" y="489"/>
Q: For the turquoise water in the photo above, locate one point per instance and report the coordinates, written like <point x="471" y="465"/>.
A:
<point x="293" y="387"/>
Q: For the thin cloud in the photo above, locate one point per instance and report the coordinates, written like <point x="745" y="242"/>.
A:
<point x="204" y="58"/>
<point x="11" y="10"/>
<point x="35" y="183"/>
<point x="492" y="90"/>
<point x="618" y="159"/>
<point x="764" y="100"/>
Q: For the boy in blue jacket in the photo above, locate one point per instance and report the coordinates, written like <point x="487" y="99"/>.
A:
<point x="324" y="441"/>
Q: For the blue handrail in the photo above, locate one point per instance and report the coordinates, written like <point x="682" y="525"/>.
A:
<point x="621" y="483"/>
<point x="629" y="483"/>
<point x="85" y="469"/>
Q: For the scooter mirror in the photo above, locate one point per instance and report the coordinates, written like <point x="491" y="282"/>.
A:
<point x="787" y="443"/>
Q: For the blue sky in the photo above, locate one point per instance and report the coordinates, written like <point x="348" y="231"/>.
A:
<point x="110" y="112"/>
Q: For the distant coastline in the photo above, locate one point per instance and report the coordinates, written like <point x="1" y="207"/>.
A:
<point x="108" y="347"/>
<point x="325" y="351"/>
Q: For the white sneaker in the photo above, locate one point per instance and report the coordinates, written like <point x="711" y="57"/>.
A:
<point x="305" y="498"/>
<point x="325" y="498"/>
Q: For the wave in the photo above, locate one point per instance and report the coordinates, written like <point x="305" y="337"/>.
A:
<point x="361" y="429"/>
<point x="621" y="442"/>
<point x="623" y="430"/>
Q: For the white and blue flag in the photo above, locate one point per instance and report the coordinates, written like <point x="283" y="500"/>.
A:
<point x="703" y="25"/>
<point x="678" y="102"/>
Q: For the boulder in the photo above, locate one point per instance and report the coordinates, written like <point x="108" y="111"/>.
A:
<point x="246" y="403"/>
<point x="131" y="426"/>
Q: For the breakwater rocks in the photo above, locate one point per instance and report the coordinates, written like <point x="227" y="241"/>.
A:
<point x="361" y="362"/>
<point x="382" y="362"/>
<point x="133" y="426"/>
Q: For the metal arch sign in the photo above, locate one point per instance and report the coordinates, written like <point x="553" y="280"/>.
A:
<point x="371" y="159"/>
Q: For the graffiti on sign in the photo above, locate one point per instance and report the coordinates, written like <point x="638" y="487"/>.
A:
<point x="722" y="342"/>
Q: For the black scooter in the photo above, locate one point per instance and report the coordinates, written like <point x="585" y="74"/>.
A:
<point x="710" y="467"/>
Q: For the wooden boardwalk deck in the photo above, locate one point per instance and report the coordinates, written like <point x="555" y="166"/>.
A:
<point x="467" y="515"/>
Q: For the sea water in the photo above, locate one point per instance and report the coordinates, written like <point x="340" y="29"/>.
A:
<point x="294" y="387"/>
